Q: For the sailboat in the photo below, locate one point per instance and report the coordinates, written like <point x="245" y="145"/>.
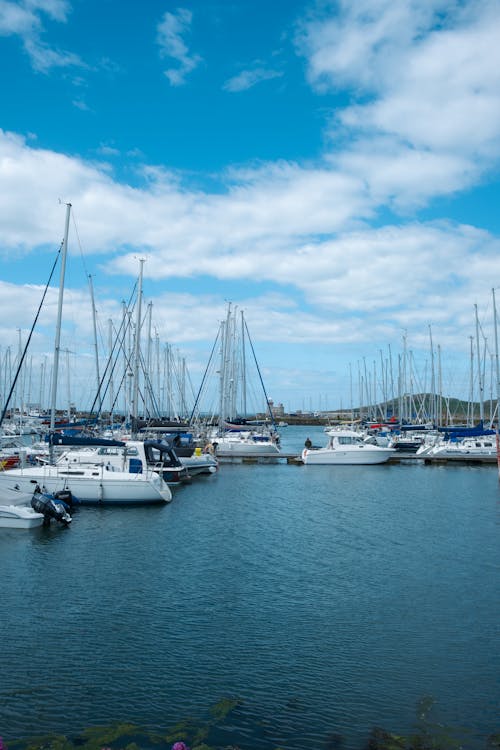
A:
<point x="94" y="483"/>
<point x="236" y="436"/>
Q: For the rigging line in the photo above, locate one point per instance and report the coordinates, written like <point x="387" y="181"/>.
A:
<point x="79" y="245"/>
<point x="85" y="269"/>
<point x="121" y="350"/>
<point x="148" y="386"/>
<point x="204" y="376"/>
<point x="116" y="343"/>
<point x="260" y="376"/>
<point x="29" y="337"/>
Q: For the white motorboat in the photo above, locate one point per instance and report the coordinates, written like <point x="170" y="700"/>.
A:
<point x="247" y="443"/>
<point x="91" y="483"/>
<point x="27" y="510"/>
<point x="480" y="448"/>
<point x="199" y="463"/>
<point x="346" y="447"/>
<point x="19" y="517"/>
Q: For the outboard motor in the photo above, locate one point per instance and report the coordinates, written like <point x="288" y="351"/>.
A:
<point x="50" y="509"/>
<point x="65" y="497"/>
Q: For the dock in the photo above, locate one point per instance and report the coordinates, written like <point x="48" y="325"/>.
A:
<point x="294" y="459"/>
<point x="254" y="458"/>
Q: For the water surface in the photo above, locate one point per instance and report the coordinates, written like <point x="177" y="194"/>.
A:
<point x="328" y="599"/>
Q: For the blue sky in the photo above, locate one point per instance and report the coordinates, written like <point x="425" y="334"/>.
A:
<point x="330" y="168"/>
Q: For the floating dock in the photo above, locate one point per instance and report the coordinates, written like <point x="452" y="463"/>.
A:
<point x="295" y="459"/>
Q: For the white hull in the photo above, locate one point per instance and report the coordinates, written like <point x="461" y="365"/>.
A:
<point x="204" y="464"/>
<point x="12" y="495"/>
<point x="346" y="447"/>
<point x="360" y="456"/>
<point x="236" y="447"/>
<point x="91" y="485"/>
<point x="19" y="517"/>
<point x="479" y="449"/>
<point x="464" y="454"/>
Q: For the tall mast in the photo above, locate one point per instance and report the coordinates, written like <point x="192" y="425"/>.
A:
<point x="497" y="365"/>
<point x="497" y="368"/>
<point x="59" y="318"/>
<point x="149" y="376"/>
<point x="135" y="398"/>
<point x="433" y="381"/>
<point x="96" y="349"/>
<point x="470" y="410"/>
<point x="479" y="373"/>
<point x="111" y="383"/>
<point x="243" y="366"/>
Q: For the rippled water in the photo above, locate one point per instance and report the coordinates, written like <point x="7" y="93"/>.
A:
<point x="328" y="599"/>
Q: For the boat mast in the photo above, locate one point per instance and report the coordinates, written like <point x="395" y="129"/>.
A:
<point x="243" y="367"/>
<point x="135" y="398"/>
<point x="432" y="409"/>
<point x="96" y="348"/>
<point x="111" y="382"/>
<point x="497" y="368"/>
<point x="470" y="409"/>
<point x="59" y="317"/>
<point x="479" y="374"/>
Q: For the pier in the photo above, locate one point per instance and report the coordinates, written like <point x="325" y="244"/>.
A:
<point x="254" y="458"/>
<point x="295" y="459"/>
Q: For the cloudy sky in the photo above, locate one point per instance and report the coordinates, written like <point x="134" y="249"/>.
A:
<point x="331" y="168"/>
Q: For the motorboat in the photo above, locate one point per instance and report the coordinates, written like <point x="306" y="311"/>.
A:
<point x="245" y="443"/>
<point x="190" y="455"/>
<point x="346" y="447"/>
<point x="20" y="517"/>
<point x="199" y="463"/>
<point x="480" y="448"/>
<point x="24" y="510"/>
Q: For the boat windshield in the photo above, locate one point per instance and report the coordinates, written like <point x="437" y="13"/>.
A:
<point x="349" y="440"/>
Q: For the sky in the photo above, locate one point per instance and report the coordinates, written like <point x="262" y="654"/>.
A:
<point x="329" y="168"/>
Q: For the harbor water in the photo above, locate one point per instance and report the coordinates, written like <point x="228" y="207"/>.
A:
<point x="324" y="600"/>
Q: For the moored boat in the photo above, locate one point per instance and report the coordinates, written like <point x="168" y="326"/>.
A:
<point x="91" y="484"/>
<point x="346" y="447"/>
<point x="24" y="510"/>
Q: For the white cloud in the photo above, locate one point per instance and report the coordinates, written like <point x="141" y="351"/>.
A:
<point x="170" y="36"/>
<point x="24" y="19"/>
<point x="295" y="228"/>
<point x="16" y="19"/>
<point x="423" y="121"/>
<point x="248" y="78"/>
<point x="425" y="76"/>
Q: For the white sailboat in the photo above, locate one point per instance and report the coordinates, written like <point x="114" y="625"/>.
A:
<point x="234" y="436"/>
<point x="92" y="483"/>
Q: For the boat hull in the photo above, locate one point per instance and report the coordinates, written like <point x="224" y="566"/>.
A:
<point x="100" y="487"/>
<point x="19" y="517"/>
<point x="204" y="464"/>
<point x="359" y="456"/>
<point x="227" y="447"/>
